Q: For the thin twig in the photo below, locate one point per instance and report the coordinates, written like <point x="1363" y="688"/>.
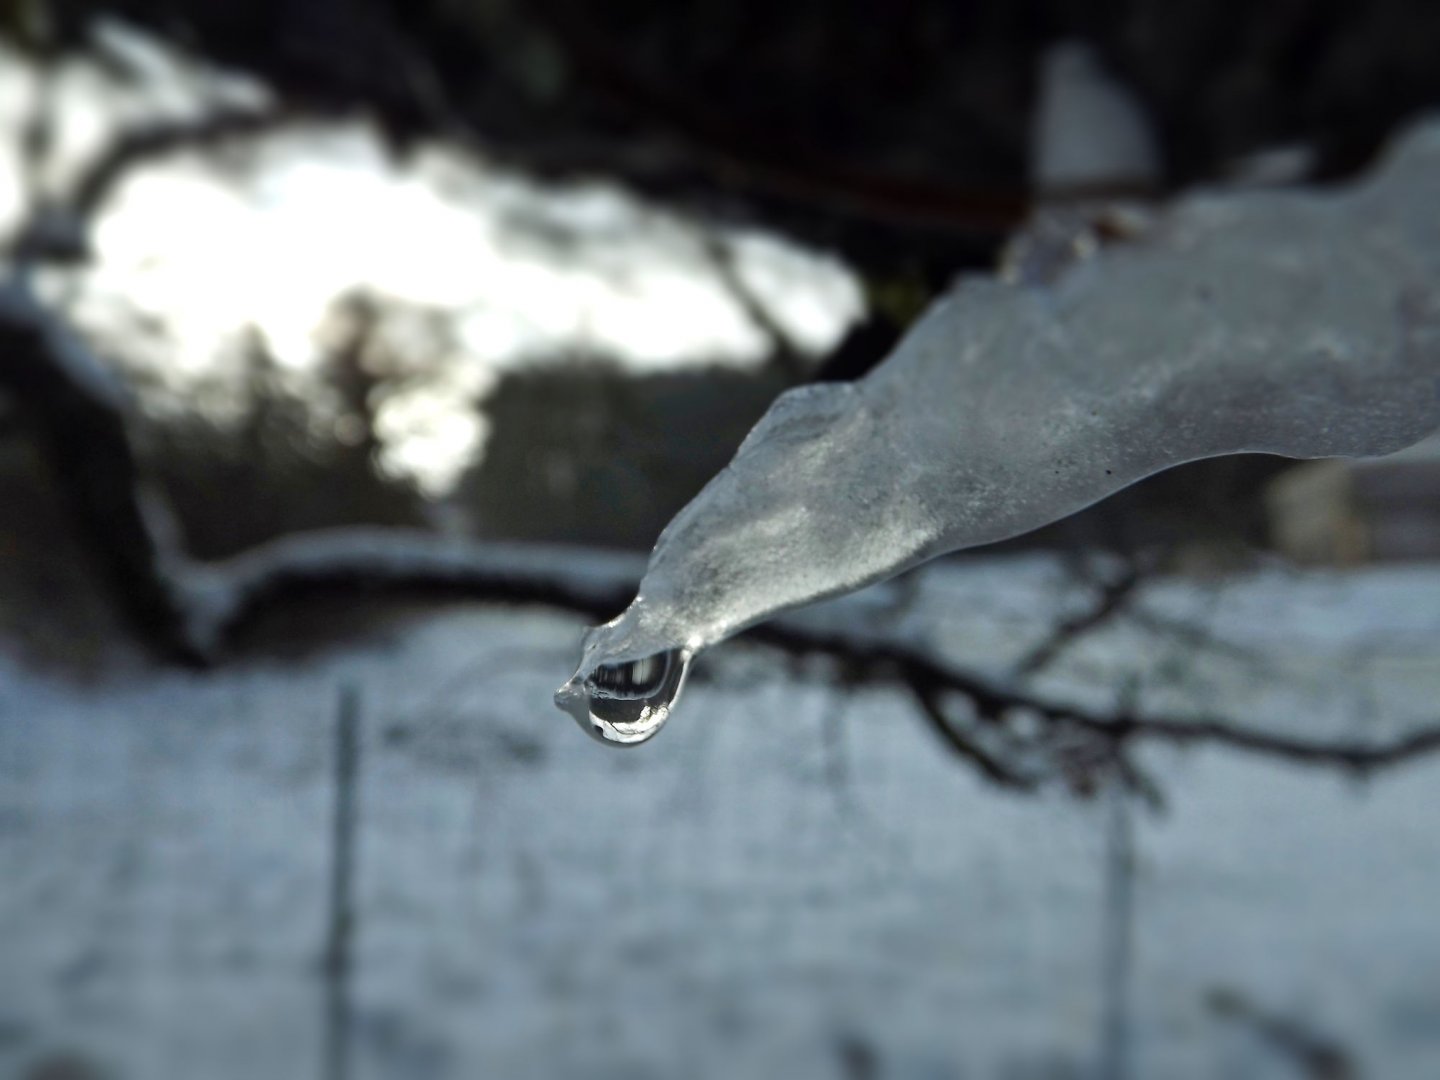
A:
<point x="1113" y="598"/>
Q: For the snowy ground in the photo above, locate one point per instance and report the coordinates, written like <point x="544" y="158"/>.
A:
<point x="791" y="881"/>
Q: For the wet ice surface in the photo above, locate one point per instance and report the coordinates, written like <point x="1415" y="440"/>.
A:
<point x="1305" y="324"/>
<point x="798" y="876"/>
<point x="626" y="704"/>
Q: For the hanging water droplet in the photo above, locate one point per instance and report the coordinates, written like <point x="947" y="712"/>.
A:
<point x="625" y="704"/>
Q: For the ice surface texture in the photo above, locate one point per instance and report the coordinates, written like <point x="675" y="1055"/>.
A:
<point x="1305" y="324"/>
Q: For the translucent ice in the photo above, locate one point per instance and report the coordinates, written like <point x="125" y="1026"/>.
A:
<point x="1305" y="324"/>
<point x="626" y="703"/>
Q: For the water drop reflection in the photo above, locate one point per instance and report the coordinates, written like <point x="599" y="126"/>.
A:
<point x="625" y="704"/>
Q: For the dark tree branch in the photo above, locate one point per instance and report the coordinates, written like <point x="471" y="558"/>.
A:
<point x="782" y="348"/>
<point x="78" y="413"/>
<point x="1316" y="1056"/>
<point x="967" y="745"/>
<point x="59" y="228"/>
<point x="1113" y="598"/>
<point x="1010" y="705"/>
<point x="144" y="144"/>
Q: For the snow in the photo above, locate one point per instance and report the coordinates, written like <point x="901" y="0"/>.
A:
<point x="791" y="869"/>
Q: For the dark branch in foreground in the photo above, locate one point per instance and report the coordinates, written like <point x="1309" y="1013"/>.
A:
<point x="1022" y="740"/>
<point x="1113" y="597"/>
<point x="191" y="610"/>
<point x="1316" y="1055"/>
<point x="78" y="412"/>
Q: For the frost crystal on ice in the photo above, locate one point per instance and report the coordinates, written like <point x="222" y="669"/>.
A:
<point x="1305" y="324"/>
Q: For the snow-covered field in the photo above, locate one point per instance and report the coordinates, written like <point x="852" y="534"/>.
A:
<point x="792" y="881"/>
